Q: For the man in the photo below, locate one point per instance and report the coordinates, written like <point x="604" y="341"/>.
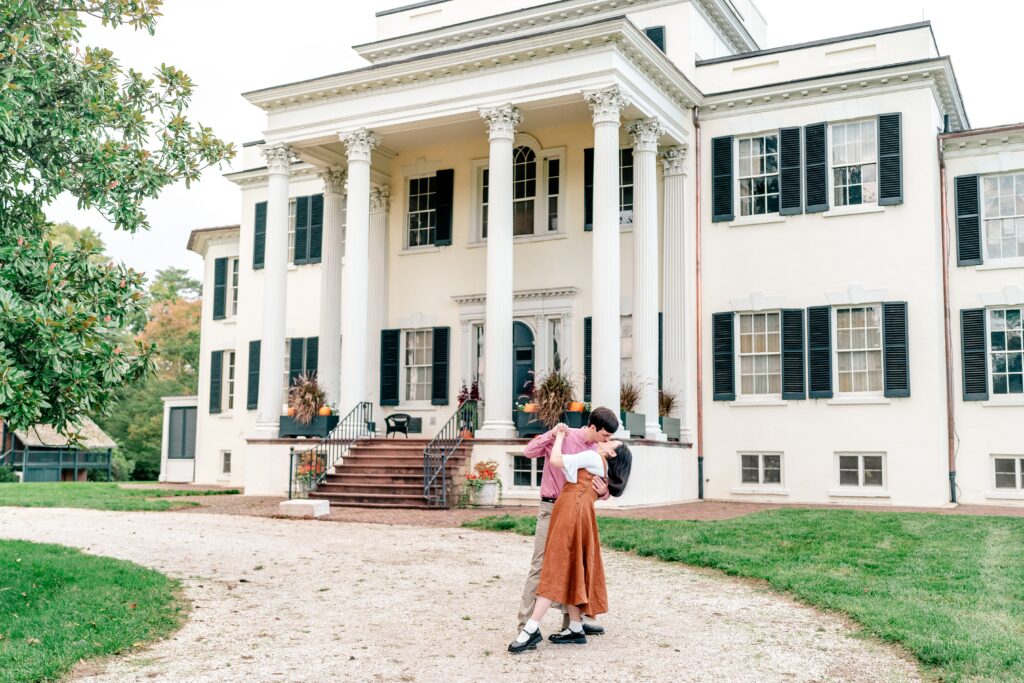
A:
<point x="602" y="425"/>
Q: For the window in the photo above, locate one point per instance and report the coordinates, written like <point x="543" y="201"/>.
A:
<point x="859" y="349"/>
<point x="181" y="433"/>
<point x="537" y="192"/>
<point x="555" y="336"/>
<point x="527" y="472"/>
<point x="524" y="190"/>
<point x="422" y="216"/>
<point x="626" y="186"/>
<point x="485" y="186"/>
<point x="233" y="289"/>
<point x="854" y="163"/>
<point x="861" y="470"/>
<point x="759" y="175"/>
<point x="419" y="351"/>
<point x="1006" y="350"/>
<point x="1004" y="216"/>
<point x="761" y="468"/>
<point x="291" y="230"/>
<point x="478" y="355"/>
<point x="554" y="193"/>
<point x="760" y="354"/>
<point x="1009" y="472"/>
<point x="225" y="462"/>
<point x="287" y="364"/>
<point x="229" y="380"/>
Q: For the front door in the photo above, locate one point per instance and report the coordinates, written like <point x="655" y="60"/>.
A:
<point x="522" y="359"/>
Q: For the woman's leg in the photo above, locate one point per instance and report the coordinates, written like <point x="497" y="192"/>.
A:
<point x="575" y="615"/>
<point x="541" y="608"/>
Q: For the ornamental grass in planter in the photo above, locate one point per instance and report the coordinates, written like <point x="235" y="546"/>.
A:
<point x="308" y="412"/>
<point x="671" y="426"/>
<point x="552" y="392"/>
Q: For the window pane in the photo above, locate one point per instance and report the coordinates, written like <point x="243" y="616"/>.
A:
<point x="749" y="470"/>
<point x="848" y="470"/>
<point x="872" y="470"/>
<point x="772" y="469"/>
<point x="1006" y="475"/>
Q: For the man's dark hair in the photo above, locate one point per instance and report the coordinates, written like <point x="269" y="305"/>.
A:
<point x="603" y="418"/>
<point x="618" y="470"/>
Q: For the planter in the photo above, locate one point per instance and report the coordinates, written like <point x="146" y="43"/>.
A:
<point x="320" y="427"/>
<point x="671" y="426"/>
<point x="486" y="495"/>
<point x="527" y="425"/>
<point x="635" y="424"/>
<point x="575" y="407"/>
<point x="574" y="419"/>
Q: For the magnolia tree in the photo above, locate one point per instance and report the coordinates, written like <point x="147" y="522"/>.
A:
<point x="73" y="120"/>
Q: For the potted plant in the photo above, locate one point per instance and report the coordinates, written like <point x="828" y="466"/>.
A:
<point x="308" y="412"/>
<point x="552" y="393"/>
<point x="671" y="426"/>
<point x="483" y="484"/>
<point x="527" y="423"/>
<point x="629" y="398"/>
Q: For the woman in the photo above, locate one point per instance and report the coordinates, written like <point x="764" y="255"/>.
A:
<point x="573" y="573"/>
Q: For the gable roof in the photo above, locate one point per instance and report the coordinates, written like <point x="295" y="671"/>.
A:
<point x="41" y="436"/>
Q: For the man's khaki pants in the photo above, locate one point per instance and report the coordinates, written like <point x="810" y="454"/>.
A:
<point x="540" y="539"/>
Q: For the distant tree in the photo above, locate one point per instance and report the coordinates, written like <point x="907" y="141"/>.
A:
<point x="71" y="237"/>
<point x="174" y="326"/>
<point x="174" y="283"/>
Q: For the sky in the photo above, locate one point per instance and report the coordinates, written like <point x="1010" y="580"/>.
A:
<point x="231" y="46"/>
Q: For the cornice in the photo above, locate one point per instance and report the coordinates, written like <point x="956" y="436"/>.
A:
<point x="521" y="295"/>
<point x="201" y="238"/>
<point x="983" y="141"/>
<point x="255" y="177"/>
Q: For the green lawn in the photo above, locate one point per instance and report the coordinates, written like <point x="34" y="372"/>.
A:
<point x="97" y="496"/>
<point x="58" y="605"/>
<point x="948" y="588"/>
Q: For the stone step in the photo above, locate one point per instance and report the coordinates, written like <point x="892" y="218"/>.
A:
<point x="382" y="506"/>
<point x="343" y="476"/>
<point x="363" y="488"/>
<point x="415" y="499"/>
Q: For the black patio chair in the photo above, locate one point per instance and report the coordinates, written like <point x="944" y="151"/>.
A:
<point x="398" y="423"/>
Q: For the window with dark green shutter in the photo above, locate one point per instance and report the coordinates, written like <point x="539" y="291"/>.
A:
<point x="721" y="179"/>
<point x="968" y="221"/>
<point x="588" y="340"/>
<point x="301" y="231"/>
<point x="972" y="344"/>
<point x="791" y="201"/>
<point x="439" y="371"/>
<point x="657" y="36"/>
<point x="390" y="360"/>
<point x="724" y="356"/>
<point x="252" y="390"/>
<point x="819" y="352"/>
<point x="316" y="228"/>
<point x="444" y="189"/>
<point x="181" y="433"/>
<point x="661" y="350"/>
<point x="216" y="380"/>
<point x="588" y="189"/>
<point x="259" y="241"/>
<point x="302" y="357"/>
<point x="312" y="355"/>
<point x="890" y="160"/>
<point x="895" y="349"/>
<point x="815" y="168"/>
<point x="220" y="288"/>
<point x="793" y="356"/>
<point x="309" y="229"/>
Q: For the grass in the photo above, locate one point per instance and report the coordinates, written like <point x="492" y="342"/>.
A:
<point x="948" y="588"/>
<point x="58" y="606"/>
<point x="97" y="496"/>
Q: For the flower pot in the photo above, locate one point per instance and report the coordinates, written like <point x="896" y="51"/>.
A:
<point x="527" y="426"/>
<point x="575" y="407"/>
<point x="530" y="408"/>
<point x="486" y="495"/>
<point x="635" y="424"/>
<point x="671" y="426"/>
<point x="573" y="419"/>
<point x="466" y="433"/>
<point x="320" y="426"/>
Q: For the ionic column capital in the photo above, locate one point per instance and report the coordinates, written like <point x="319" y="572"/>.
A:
<point x="502" y="121"/>
<point x="334" y="180"/>
<point x="380" y="196"/>
<point x="673" y="160"/>
<point x="645" y="134"/>
<point x="606" y="104"/>
<point x="359" y="144"/>
<point x="279" y="158"/>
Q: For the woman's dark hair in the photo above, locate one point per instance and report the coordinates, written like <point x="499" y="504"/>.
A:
<point x="618" y="470"/>
<point x="603" y="418"/>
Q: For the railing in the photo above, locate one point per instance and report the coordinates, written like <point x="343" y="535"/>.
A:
<point x="462" y="425"/>
<point x="308" y="468"/>
<point x="55" y="459"/>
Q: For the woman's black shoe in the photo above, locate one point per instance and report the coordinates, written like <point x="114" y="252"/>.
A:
<point x="570" y="638"/>
<point x="592" y="629"/>
<point x="515" y="647"/>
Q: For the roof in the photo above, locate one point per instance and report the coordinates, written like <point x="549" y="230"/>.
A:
<point x="198" y="238"/>
<point x="92" y="437"/>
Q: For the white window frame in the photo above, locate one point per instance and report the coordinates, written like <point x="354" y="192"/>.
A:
<point x="761" y="484"/>
<point x="555" y="330"/>
<point x="225" y="459"/>
<point x="624" y="220"/>
<point x="830" y="129"/>
<point x="860" y="487"/>
<point x="1018" y="216"/>
<point x="405" y="214"/>
<point x="740" y="396"/>
<point x="536" y="473"/>
<point x="403" y="370"/>
<point x="835" y="351"/>
<point x="228" y="380"/>
<point x="738" y="208"/>
<point x="989" y="368"/>
<point x="287" y="363"/>
<point x="292" y="202"/>
<point x="231" y="308"/>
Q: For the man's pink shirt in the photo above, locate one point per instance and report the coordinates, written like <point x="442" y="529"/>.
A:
<point x="553" y="478"/>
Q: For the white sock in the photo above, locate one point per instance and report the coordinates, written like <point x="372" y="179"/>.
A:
<point x="575" y="626"/>
<point x="531" y="627"/>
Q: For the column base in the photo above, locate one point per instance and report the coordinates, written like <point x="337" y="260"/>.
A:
<point x="652" y="432"/>
<point x="267" y="430"/>
<point x="686" y="435"/>
<point x="498" y="429"/>
<point x="621" y="434"/>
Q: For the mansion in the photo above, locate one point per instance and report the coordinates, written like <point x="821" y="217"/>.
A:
<point x="807" y="247"/>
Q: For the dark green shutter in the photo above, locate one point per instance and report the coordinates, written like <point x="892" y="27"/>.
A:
<point x="896" y="349"/>
<point x="301" y="231"/>
<point x="259" y="240"/>
<point x="723" y="356"/>
<point x="815" y="168"/>
<point x="890" y="160"/>
<point x="444" y="192"/>
<point x="791" y="195"/>
<point x="252" y="390"/>
<point x="588" y="189"/>
<point x="819" y="351"/>
<point x="296" y="359"/>
<point x="588" y="341"/>
<point x="316" y="227"/>
<point x="220" y="288"/>
<point x="793" y="356"/>
<point x="216" y="380"/>
<point x="661" y="350"/>
<point x="312" y="355"/>
<point x="657" y="36"/>
<point x="968" y="221"/>
<point x="721" y="179"/>
<point x="975" y="362"/>
<point x="439" y="372"/>
<point x="390" y="358"/>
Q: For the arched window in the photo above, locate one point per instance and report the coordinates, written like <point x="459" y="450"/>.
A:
<point x="524" y="190"/>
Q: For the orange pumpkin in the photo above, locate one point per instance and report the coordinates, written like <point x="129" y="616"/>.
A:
<point x="325" y="411"/>
<point x="530" y="408"/>
<point x="291" y="411"/>
<point x="575" y="406"/>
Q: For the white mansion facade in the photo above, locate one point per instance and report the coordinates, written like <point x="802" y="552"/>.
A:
<point x="807" y="245"/>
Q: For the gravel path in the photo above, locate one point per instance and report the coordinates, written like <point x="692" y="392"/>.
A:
<point x="280" y="600"/>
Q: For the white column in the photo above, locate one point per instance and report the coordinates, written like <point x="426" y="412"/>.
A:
<point x="378" y="292"/>
<point x="329" y="360"/>
<point x="606" y="348"/>
<point x="275" y="290"/>
<point x="645" y="136"/>
<point x="501" y="125"/>
<point x="674" y="293"/>
<point x="354" y="307"/>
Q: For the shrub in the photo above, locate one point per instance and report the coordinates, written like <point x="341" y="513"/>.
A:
<point x="7" y="475"/>
<point x="551" y="394"/>
<point x="629" y="394"/>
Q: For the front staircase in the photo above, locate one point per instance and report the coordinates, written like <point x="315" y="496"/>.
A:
<point x="387" y="473"/>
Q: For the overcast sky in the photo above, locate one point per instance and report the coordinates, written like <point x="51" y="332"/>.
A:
<point x="231" y="46"/>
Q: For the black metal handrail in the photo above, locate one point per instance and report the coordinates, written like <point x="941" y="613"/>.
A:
<point x="461" y="426"/>
<point x="307" y="468"/>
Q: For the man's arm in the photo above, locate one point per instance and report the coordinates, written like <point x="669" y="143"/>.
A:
<point x="540" y="446"/>
<point x="601" y="488"/>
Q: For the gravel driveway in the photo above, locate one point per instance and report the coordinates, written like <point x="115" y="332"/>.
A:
<point x="280" y="600"/>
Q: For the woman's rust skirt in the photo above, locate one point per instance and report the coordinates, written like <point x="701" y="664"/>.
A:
<point x="572" y="573"/>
